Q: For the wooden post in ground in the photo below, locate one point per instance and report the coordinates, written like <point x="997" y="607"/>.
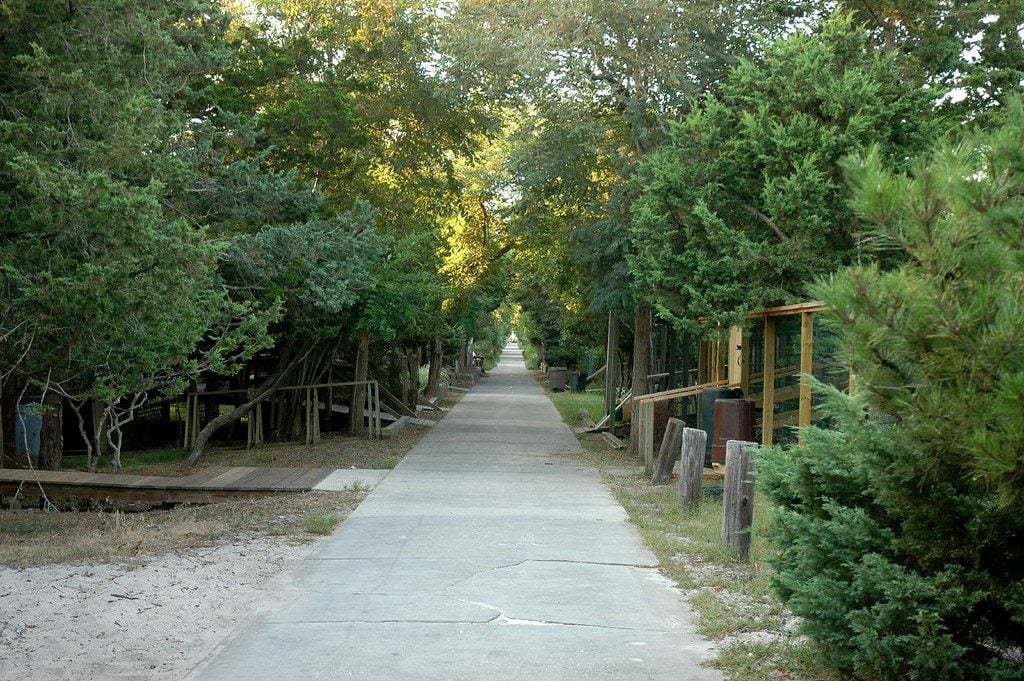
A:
<point x="308" y="425"/>
<point x="806" y="369"/>
<point x="668" y="454"/>
<point x="256" y="418"/>
<point x="642" y="433"/>
<point x="691" y="466"/>
<point x="768" y="396"/>
<point x="738" y="496"/>
<point x="734" y="353"/>
<point x="316" y="416"/>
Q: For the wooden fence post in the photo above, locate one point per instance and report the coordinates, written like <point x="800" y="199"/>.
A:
<point x="315" y="424"/>
<point x="691" y="466"/>
<point x="738" y="495"/>
<point x="768" y="401"/>
<point x="309" y="417"/>
<point x="645" y="412"/>
<point x="806" y="370"/>
<point x="668" y="454"/>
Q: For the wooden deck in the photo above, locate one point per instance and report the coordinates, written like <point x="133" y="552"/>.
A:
<point x="217" y="483"/>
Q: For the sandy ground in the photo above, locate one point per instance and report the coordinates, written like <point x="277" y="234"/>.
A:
<point x="155" y="618"/>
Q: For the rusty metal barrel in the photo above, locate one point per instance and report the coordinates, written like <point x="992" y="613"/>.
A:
<point x="734" y="420"/>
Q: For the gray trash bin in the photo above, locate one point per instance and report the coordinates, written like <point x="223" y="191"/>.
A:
<point x="556" y="378"/>
<point x="28" y="425"/>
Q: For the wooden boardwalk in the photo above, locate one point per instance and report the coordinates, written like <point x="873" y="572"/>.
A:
<point x="217" y="483"/>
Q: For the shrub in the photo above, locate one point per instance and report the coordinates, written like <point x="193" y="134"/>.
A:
<point x="444" y="377"/>
<point x="900" y="534"/>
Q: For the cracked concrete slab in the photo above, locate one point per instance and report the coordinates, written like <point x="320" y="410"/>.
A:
<point x="481" y="556"/>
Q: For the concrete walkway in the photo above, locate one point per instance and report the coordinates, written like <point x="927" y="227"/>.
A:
<point x="481" y="556"/>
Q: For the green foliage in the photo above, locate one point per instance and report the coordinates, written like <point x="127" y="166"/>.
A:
<point x="320" y="522"/>
<point x="900" y="537"/>
<point x="972" y="47"/>
<point x="444" y="377"/>
<point x="105" y="290"/>
<point x="747" y="204"/>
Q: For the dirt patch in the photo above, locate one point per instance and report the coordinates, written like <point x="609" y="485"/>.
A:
<point x="147" y="619"/>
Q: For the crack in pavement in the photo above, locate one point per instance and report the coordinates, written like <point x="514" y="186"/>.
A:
<point x="503" y="619"/>
<point x="499" y="619"/>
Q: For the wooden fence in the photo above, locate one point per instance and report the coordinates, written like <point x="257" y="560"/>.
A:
<point x="311" y="403"/>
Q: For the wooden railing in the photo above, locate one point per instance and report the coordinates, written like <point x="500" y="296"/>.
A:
<point x="311" y="426"/>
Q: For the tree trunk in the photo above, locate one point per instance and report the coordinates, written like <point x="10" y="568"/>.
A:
<point x="357" y="407"/>
<point x="611" y="365"/>
<point x="51" y="437"/>
<point x="641" y="365"/>
<point x="413" y="364"/>
<point x="99" y="418"/>
<point x="6" y="424"/>
<point x="434" y="377"/>
<point x="273" y="382"/>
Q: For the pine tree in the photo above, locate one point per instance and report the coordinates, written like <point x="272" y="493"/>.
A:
<point x="901" y="541"/>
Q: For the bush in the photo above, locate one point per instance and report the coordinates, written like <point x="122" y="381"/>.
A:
<point x="444" y="377"/>
<point x="531" y="357"/>
<point x="900" y="534"/>
<point x="563" y="356"/>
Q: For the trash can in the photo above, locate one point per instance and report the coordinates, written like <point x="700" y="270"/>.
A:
<point x="579" y="381"/>
<point x="28" y="426"/>
<point x="734" y="420"/>
<point x="557" y="378"/>
<point x="706" y="414"/>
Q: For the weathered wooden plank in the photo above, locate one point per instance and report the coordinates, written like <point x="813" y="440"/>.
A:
<point x="788" y="310"/>
<point x="689" y="391"/>
<point x="806" y="369"/>
<point x="118" y="479"/>
<point x="136" y="480"/>
<point x="738" y="496"/>
<point x="225" y="479"/>
<point x="199" y="477"/>
<point x="19" y="474"/>
<point x="209" y="485"/>
<point x="310" y="479"/>
<point x="615" y="442"/>
<point x="247" y="482"/>
<point x="645" y="443"/>
<point x="153" y="482"/>
<point x="668" y="453"/>
<point x="734" y="353"/>
<point x="287" y="482"/>
<point x="768" y="402"/>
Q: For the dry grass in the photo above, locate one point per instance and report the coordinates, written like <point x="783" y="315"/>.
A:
<point x="33" y="537"/>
